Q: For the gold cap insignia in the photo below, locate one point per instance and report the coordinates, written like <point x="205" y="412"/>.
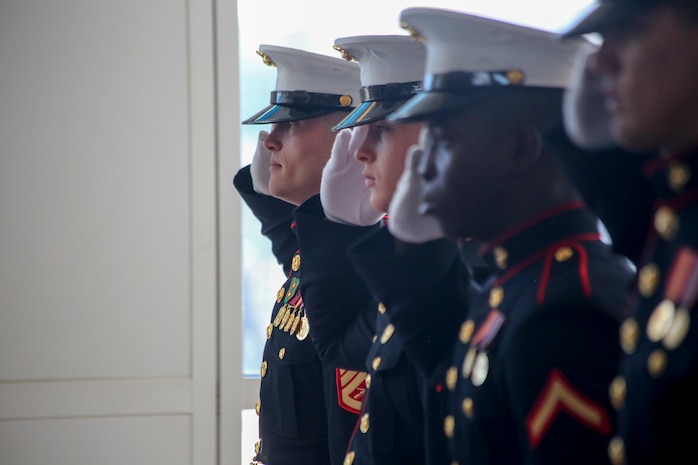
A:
<point x="345" y="53"/>
<point x="516" y="77"/>
<point x="266" y="59"/>
<point x="414" y="34"/>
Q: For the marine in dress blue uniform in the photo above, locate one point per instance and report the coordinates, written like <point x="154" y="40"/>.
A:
<point x="527" y="361"/>
<point x="655" y="390"/>
<point x="350" y="328"/>
<point x="306" y="411"/>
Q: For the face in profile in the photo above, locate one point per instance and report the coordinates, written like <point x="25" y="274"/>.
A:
<point x="299" y="151"/>
<point x="651" y="68"/>
<point x="462" y="171"/>
<point x="383" y="156"/>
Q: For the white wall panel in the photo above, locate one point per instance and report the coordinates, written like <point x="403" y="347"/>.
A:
<point x="103" y="441"/>
<point x="94" y="190"/>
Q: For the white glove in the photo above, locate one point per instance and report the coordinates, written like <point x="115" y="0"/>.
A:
<point x="343" y="193"/>
<point x="586" y="120"/>
<point x="405" y="222"/>
<point x="259" y="170"/>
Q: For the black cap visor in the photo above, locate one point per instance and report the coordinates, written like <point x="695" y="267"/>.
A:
<point x="607" y="14"/>
<point x="297" y="105"/>
<point x="368" y="112"/>
<point x="282" y="114"/>
<point x="454" y="90"/>
<point x="379" y="101"/>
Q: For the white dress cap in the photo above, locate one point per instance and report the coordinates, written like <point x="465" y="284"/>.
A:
<point x="307" y="85"/>
<point x="384" y="59"/>
<point x="467" y="52"/>
<point x="392" y="69"/>
<point x="463" y="42"/>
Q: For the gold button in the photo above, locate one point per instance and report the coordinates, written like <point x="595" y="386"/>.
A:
<point x="345" y="100"/>
<point x="617" y="392"/>
<point x="282" y="353"/>
<point x="496" y="296"/>
<point x="258" y="406"/>
<point x="616" y="451"/>
<point x="387" y="333"/>
<point x="451" y="378"/>
<point x="468" y="362"/>
<point x="349" y="458"/>
<point x="374" y="338"/>
<point x="467" y="406"/>
<point x="648" y="279"/>
<point x="381" y="308"/>
<point x="280" y="294"/>
<point x="466" y="331"/>
<point x="563" y="253"/>
<point x="449" y="426"/>
<point x="666" y="223"/>
<point x="296" y="263"/>
<point x="500" y="257"/>
<point x="678" y="176"/>
<point x="376" y="363"/>
<point x="263" y="371"/>
<point x="629" y="334"/>
<point x="257" y="446"/>
<point x="656" y="363"/>
<point x="363" y="426"/>
<point x="368" y="381"/>
<point x="270" y="329"/>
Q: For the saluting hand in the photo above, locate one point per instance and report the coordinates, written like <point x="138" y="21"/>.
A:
<point x="259" y="170"/>
<point x="343" y="193"/>
<point x="586" y="119"/>
<point x="405" y="222"/>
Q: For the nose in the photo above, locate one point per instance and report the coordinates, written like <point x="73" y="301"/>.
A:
<point x="272" y="143"/>
<point x="365" y="153"/>
<point x="425" y="165"/>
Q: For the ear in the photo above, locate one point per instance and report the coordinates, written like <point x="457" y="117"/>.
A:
<point x="524" y="149"/>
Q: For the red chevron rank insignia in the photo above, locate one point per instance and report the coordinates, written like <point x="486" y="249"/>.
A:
<point x="558" y="396"/>
<point x="351" y="387"/>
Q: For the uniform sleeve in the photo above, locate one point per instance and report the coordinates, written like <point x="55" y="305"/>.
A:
<point x="559" y="385"/>
<point x="424" y="289"/>
<point x="339" y="306"/>
<point x="275" y="216"/>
